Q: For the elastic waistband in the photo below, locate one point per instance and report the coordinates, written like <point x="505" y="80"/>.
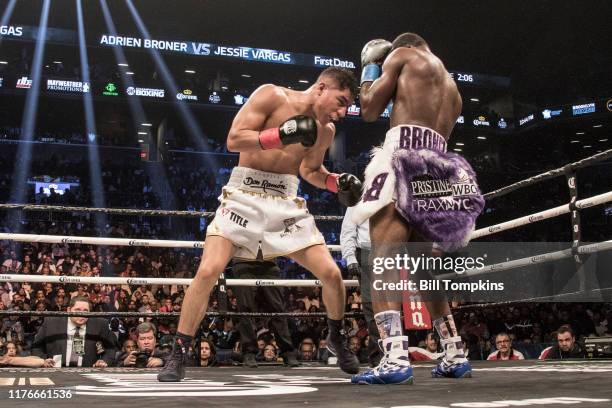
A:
<point x="262" y="182"/>
<point x="414" y="137"/>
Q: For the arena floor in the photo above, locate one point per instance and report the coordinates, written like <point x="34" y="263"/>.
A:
<point x="526" y="383"/>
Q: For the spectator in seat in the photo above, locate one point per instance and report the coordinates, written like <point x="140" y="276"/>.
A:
<point x="504" y="349"/>
<point x="566" y="346"/>
<point x="208" y="353"/>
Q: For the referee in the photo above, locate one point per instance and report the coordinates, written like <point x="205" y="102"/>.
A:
<point x="355" y="245"/>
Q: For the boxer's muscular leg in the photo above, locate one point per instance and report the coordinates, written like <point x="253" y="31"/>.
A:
<point x="218" y="251"/>
<point x="387" y="228"/>
<point x="317" y="260"/>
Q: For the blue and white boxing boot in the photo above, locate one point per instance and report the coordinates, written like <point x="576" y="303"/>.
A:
<point x="394" y="367"/>
<point x="454" y="364"/>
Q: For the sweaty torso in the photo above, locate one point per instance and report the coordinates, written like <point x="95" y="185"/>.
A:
<point x="426" y="95"/>
<point x="287" y="159"/>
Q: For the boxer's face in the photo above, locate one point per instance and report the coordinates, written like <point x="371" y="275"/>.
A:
<point x="332" y="103"/>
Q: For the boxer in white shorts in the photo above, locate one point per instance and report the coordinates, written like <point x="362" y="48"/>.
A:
<point x="280" y="133"/>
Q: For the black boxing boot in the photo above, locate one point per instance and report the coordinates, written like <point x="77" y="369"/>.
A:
<point x="174" y="369"/>
<point x="337" y="346"/>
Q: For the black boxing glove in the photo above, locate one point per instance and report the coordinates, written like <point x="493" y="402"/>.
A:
<point x="347" y="186"/>
<point x="299" y="129"/>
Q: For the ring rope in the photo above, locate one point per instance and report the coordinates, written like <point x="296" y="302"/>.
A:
<point x="155" y="243"/>
<point x="162" y="315"/>
<point x="290" y="283"/>
<point x="132" y="211"/>
<point x="549" y="174"/>
<point x="163" y="243"/>
<point x="198" y="214"/>
<point x="558" y="298"/>
<point x="542" y="215"/>
<point x="532" y="260"/>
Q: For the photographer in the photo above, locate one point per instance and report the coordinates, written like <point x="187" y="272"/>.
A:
<point x="146" y="354"/>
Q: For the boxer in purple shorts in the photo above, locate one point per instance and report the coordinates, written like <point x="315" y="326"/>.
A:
<point x="414" y="190"/>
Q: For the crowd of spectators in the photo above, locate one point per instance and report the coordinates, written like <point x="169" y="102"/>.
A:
<point x="531" y="326"/>
<point x="195" y="185"/>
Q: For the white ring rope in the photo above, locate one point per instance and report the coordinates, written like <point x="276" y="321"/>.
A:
<point x="542" y="215"/>
<point x="532" y="260"/>
<point x="153" y="243"/>
<point x="161" y="281"/>
<point x="164" y="243"/>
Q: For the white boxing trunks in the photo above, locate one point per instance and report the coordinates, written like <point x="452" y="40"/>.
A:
<point x="435" y="191"/>
<point x="261" y="212"/>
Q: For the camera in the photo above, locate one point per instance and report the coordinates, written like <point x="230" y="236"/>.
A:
<point x="142" y="356"/>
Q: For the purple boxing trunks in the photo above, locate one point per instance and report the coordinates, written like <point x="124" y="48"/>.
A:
<point x="435" y="191"/>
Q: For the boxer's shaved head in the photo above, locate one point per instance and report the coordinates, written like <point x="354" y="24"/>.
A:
<point x="409" y="40"/>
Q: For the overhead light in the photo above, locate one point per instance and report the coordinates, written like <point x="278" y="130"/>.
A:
<point x="224" y="88"/>
<point x="603" y="140"/>
<point x="303" y="81"/>
<point x="57" y="62"/>
<point x="143" y="133"/>
<point x="580" y="133"/>
<point x="575" y="141"/>
<point x="146" y="124"/>
<point x="586" y="146"/>
<point x="457" y="149"/>
<point x="597" y="126"/>
<point x="129" y="73"/>
<point x="481" y="137"/>
<point x="4" y="62"/>
<point x="245" y="75"/>
<point x="123" y="64"/>
<point x="459" y="144"/>
<point x="474" y="99"/>
<point x="140" y="141"/>
<point x="189" y="71"/>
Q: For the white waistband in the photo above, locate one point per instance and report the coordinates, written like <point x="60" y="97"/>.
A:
<point x="414" y="137"/>
<point x="263" y="182"/>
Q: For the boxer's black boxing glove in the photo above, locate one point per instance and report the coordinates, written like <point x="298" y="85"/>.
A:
<point x="299" y="129"/>
<point x="347" y="186"/>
